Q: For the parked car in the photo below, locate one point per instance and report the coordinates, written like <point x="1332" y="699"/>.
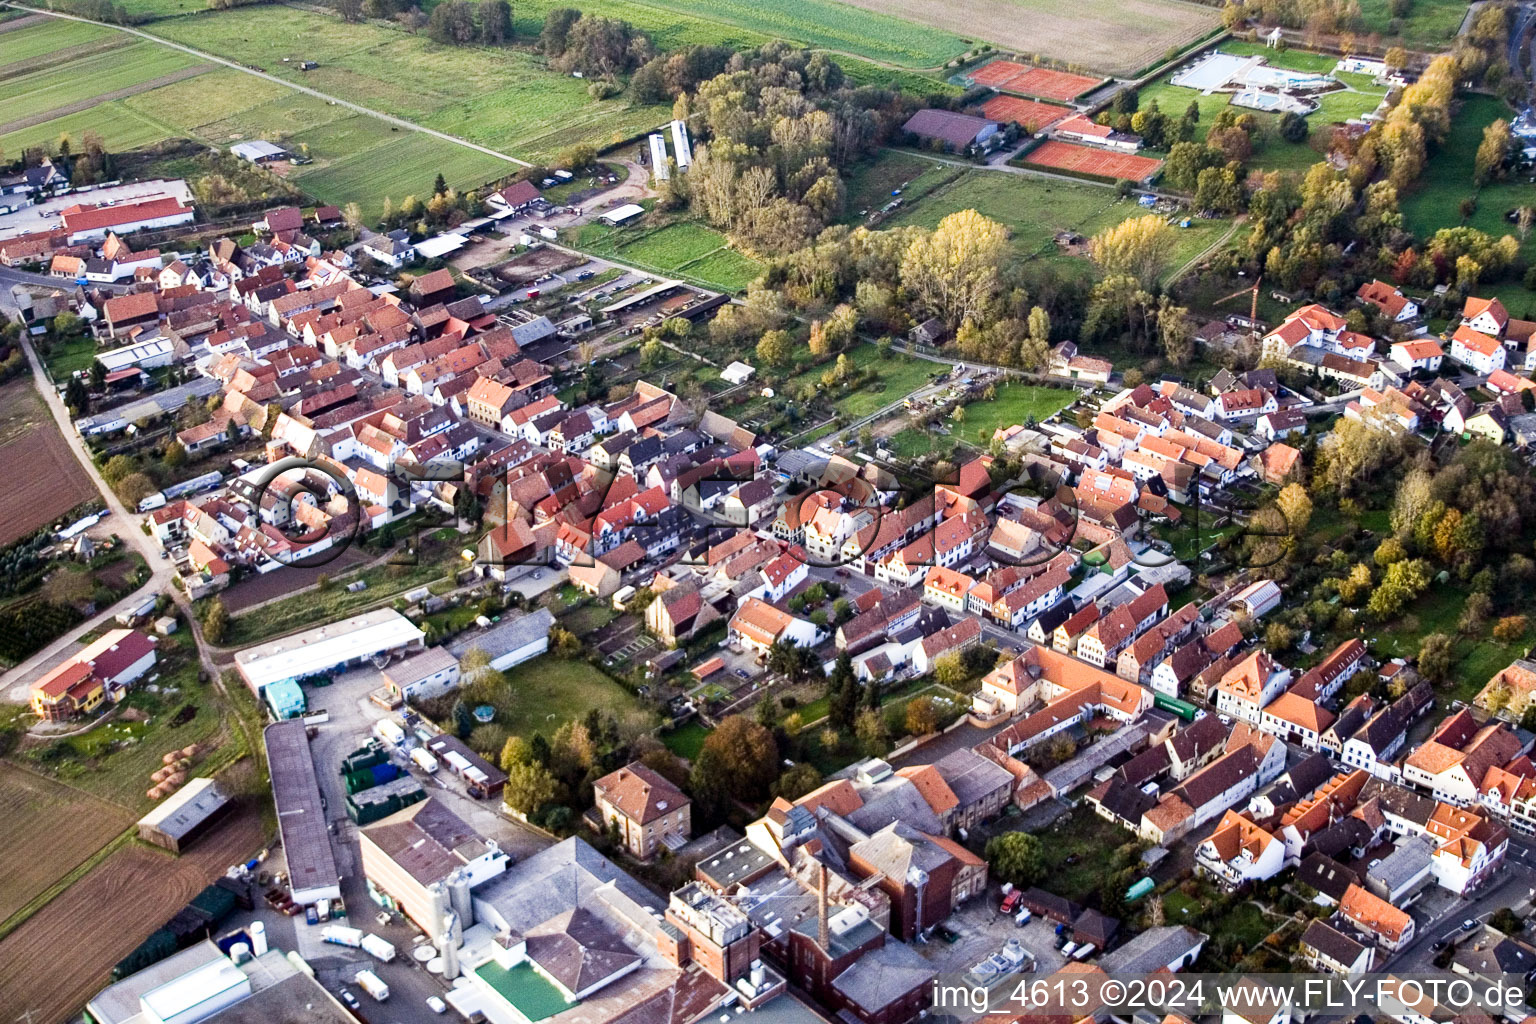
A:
<point x="1023" y="918"/>
<point x="350" y="999"/>
<point x="1468" y="924"/>
<point x="436" y="1005"/>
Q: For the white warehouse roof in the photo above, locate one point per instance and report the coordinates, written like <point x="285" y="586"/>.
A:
<point x="623" y="213"/>
<point x="323" y="648"/>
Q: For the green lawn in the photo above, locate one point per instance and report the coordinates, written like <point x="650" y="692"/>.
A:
<point x="1036" y="209"/>
<point x="69" y="355"/>
<point x="407" y="164"/>
<point x="686" y="740"/>
<point x="824" y="24"/>
<point x="50" y="37"/>
<point x="548" y="691"/>
<point x="872" y="182"/>
<point x="683" y="248"/>
<point x="1076" y="851"/>
<point x="59" y="85"/>
<point x="1291" y="59"/>
<point x="1434" y="203"/>
<point x="155" y="9"/>
<point x="1015" y="404"/>
<point x="1430" y="23"/>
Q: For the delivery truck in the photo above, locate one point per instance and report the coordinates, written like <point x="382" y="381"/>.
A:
<point x="341" y="935"/>
<point x="379" y="949"/>
<point x="370" y="983"/>
<point x="425" y="761"/>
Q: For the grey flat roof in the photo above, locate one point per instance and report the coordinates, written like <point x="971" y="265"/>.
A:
<point x="119" y="1001"/>
<point x="507" y="635"/>
<point x="300" y="816"/>
<point x="187" y="809"/>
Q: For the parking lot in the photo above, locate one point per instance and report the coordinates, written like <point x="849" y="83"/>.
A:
<point x="351" y="719"/>
<point x="982" y="931"/>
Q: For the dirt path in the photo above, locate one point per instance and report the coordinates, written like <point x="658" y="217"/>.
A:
<point x="115" y="94"/>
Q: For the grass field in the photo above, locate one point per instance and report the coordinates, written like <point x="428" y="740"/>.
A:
<point x="1015" y="403"/>
<point x="899" y="375"/>
<point x="502" y="98"/>
<point x="824" y="24"/>
<point x="1036" y="209"/>
<point x="872" y="182"/>
<point x="49" y="37"/>
<point x="1118" y="36"/>
<point x="403" y="166"/>
<point x="1428" y="23"/>
<point x="1435" y="202"/>
<point x="685" y="248"/>
<point x="548" y="691"/>
<point x="75" y="80"/>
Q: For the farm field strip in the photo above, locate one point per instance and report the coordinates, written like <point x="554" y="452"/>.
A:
<point x="1115" y="36"/>
<point x="46" y="478"/>
<point x="84" y="78"/>
<point x="120" y="127"/>
<point x="94" y="923"/>
<point x="50" y="829"/>
<point x="50" y="36"/>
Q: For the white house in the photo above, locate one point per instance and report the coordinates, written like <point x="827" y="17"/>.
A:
<point x="1472" y="348"/>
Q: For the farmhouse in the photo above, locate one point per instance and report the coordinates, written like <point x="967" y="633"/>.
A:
<point x="99" y="673"/>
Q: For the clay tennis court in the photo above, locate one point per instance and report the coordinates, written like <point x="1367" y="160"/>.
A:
<point x="1031" y="114"/>
<point x="1027" y="80"/>
<point x="1088" y="160"/>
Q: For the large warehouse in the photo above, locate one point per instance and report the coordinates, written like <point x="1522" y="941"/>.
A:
<point x="191" y="813"/>
<point x="312" y="872"/>
<point x="327" y="648"/>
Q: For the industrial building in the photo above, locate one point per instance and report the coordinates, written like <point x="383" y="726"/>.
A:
<point x="425" y="846"/>
<point x="431" y="673"/>
<point x="312" y="872"/>
<point x="328" y="648"/>
<point x="511" y="641"/>
<point x="193" y="812"/>
<point x="201" y="985"/>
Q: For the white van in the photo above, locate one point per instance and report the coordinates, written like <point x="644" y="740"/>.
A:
<point x="1083" y="951"/>
<point x="1069" y="948"/>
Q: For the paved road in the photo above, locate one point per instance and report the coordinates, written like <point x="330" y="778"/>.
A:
<point x="1511" y="884"/>
<point x="397" y="121"/>
<point x="161" y="571"/>
<point x="10" y="277"/>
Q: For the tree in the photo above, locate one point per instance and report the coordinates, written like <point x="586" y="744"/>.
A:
<point x="1175" y="332"/>
<point x="922" y="716"/>
<point x="1509" y="629"/>
<point x="870" y="730"/>
<point x="1293" y="127"/>
<point x="952" y="272"/>
<point x="950" y="669"/>
<point x="1017" y="858"/>
<point x="98" y="374"/>
<point x="1474" y="613"/>
<point x="215" y="620"/>
<point x="495" y="22"/>
<point x="1492" y="153"/>
<point x="797" y="781"/>
<point x="1402" y="582"/>
<point x="175" y="454"/>
<point x="774" y="348"/>
<point x="738" y="759"/>
<point x="77" y="397"/>
<point x="1140" y="247"/>
<point x="529" y="787"/>
<point x="465" y="505"/>
<point x="1412" y="501"/>
<point x="842" y="694"/>
<point x="1296" y="505"/>
<point x="1434" y="661"/>
<point x="514" y="752"/>
<point x="351" y="11"/>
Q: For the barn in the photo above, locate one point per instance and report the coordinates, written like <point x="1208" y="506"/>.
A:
<point x="194" y="811"/>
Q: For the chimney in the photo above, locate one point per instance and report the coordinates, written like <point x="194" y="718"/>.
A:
<point x="821" y="911"/>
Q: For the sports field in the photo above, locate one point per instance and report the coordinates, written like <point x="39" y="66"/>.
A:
<point x="1092" y="160"/>
<point x="1113" y="36"/>
<point x="1031" y="115"/>
<point x="1027" y="80"/>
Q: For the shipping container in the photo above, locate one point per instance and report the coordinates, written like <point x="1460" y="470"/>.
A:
<point x="425" y="761"/>
<point x="341" y="935"/>
<point x="389" y="732"/>
<point x="364" y="757"/>
<point x="378" y="948"/>
<point x="370" y="983"/>
<point x="367" y="778"/>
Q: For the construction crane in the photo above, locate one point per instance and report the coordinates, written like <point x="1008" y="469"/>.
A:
<point x="1253" y="309"/>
